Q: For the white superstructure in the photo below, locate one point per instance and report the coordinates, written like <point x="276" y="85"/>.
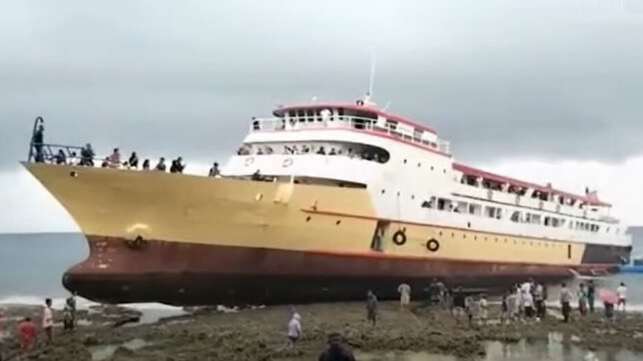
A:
<point x="411" y="175"/>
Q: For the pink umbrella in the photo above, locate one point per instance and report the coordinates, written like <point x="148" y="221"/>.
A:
<point x="607" y="296"/>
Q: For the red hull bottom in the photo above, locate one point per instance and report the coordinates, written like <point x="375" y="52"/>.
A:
<point x="191" y="274"/>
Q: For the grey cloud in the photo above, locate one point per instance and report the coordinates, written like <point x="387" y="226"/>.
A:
<point x="535" y="79"/>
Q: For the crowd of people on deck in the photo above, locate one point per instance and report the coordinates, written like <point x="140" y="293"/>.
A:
<point x="87" y="158"/>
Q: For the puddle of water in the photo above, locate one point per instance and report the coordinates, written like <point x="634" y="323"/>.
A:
<point x="542" y="350"/>
<point x="105" y="352"/>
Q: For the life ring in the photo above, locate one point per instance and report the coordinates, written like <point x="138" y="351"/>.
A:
<point x="432" y="245"/>
<point x="399" y="237"/>
<point x="287" y="162"/>
<point x="249" y="161"/>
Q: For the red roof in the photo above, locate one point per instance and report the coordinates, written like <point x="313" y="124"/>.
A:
<point x="591" y="198"/>
<point x="280" y="112"/>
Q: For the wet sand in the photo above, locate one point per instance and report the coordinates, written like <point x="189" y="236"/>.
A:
<point x="259" y="334"/>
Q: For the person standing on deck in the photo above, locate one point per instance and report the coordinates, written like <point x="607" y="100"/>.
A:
<point x="48" y="320"/>
<point x="565" y="300"/>
<point x="405" y="295"/>
<point x="591" y="295"/>
<point x="115" y="158"/>
<point x="133" y="160"/>
<point x="214" y="171"/>
<point x="38" y="141"/>
<point x="621" y="291"/>
<point x="371" y="307"/>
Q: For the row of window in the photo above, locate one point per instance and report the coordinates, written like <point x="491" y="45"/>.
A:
<point x="524" y="217"/>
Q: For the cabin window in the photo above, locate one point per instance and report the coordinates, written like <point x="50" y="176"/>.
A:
<point x="515" y="217"/>
<point x="442" y="203"/>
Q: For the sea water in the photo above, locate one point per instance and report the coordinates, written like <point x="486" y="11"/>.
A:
<point x="32" y="265"/>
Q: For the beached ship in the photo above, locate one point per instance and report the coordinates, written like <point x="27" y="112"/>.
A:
<point x="322" y="202"/>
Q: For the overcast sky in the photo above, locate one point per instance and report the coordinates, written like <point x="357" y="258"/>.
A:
<point x="548" y="90"/>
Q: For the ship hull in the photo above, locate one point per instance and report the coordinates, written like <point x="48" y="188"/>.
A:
<point x="189" y="240"/>
<point x="195" y="274"/>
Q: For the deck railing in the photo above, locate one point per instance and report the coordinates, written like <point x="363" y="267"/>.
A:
<point x="343" y="122"/>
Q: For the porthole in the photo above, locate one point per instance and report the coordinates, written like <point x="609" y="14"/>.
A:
<point x="431" y="167"/>
<point x="383" y="191"/>
<point x="468" y="224"/>
<point x="404" y="161"/>
<point x="419" y="164"/>
<point x="338" y="222"/>
<point x="308" y="219"/>
<point x="444" y="170"/>
<point x="412" y="196"/>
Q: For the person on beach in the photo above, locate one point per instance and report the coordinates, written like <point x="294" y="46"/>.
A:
<point x="591" y="295"/>
<point x="458" y="303"/>
<point x="484" y="308"/>
<point x="469" y="308"/>
<point x="504" y="308"/>
<point x="621" y="291"/>
<point x="582" y="299"/>
<point x="565" y="300"/>
<point x="294" y="329"/>
<point x="539" y="302"/>
<point x="528" y="302"/>
<point x="336" y="350"/>
<point x="609" y="310"/>
<point x="27" y="334"/>
<point x="405" y="295"/>
<point x="69" y="313"/>
<point x="371" y="307"/>
<point x="48" y="320"/>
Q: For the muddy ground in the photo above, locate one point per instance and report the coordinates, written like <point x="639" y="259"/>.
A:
<point x="260" y="334"/>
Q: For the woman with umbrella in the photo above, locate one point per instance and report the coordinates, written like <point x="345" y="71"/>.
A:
<point x="609" y="299"/>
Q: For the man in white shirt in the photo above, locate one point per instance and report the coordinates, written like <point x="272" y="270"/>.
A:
<point x="621" y="291"/>
<point x="405" y="295"/>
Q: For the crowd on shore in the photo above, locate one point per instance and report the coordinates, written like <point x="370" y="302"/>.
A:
<point x="523" y="304"/>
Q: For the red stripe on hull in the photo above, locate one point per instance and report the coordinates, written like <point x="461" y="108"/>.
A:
<point x="180" y="273"/>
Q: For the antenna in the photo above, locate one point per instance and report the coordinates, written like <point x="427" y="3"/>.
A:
<point x="372" y="80"/>
<point x="388" y="104"/>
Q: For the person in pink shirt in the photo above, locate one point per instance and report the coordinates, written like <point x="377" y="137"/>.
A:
<point x="27" y="334"/>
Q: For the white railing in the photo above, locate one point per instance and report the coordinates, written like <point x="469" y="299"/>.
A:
<point x="342" y="122"/>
